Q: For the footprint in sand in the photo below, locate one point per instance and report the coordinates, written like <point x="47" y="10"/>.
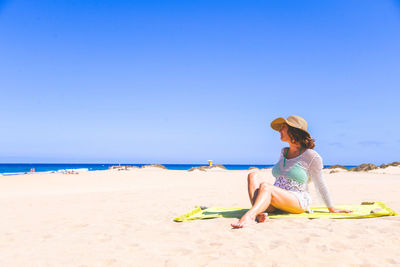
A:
<point x="200" y="241"/>
<point x="338" y="246"/>
<point x="184" y="252"/>
<point x="47" y="236"/>
<point x="315" y="235"/>
<point x="275" y="244"/>
<point x="256" y="247"/>
<point x="9" y="237"/>
<point x="352" y="236"/>
<point x="105" y="238"/>
<point x="82" y="225"/>
<point x="127" y="225"/>
<point x="392" y="261"/>
<point x="109" y="261"/>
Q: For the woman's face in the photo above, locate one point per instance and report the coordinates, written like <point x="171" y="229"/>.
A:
<point x="284" y="133"/>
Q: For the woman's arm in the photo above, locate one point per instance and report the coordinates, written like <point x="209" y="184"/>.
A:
<point x="335" y="210"/>
<point x="316" y="173"/>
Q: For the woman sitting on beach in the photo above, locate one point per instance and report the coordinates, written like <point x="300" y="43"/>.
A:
<point x="297" y="164"/>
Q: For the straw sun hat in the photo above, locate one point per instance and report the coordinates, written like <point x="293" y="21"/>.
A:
<point x="293" y="120"/>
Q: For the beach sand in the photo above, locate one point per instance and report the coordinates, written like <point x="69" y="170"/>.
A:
<point x="125" y="218"/>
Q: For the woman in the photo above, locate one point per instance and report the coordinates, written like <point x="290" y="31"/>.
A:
<point x="297" y="166"/>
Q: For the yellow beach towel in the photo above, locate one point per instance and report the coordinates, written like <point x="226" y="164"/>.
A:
<point x="365" y="210"/>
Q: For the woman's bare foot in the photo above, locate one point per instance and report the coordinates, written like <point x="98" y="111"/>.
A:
<point x="262" y="217"/>
<point x="246" y="220"/>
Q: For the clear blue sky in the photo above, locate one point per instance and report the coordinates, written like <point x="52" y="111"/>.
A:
<point x="188" y="81"/>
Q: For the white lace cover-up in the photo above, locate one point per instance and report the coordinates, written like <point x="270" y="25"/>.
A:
<point x="298" y="172"/>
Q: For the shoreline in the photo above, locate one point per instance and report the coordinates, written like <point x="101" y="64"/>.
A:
<point x="80" y="167"/>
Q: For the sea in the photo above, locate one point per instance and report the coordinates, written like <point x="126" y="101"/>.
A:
<point x="22" y="168"/>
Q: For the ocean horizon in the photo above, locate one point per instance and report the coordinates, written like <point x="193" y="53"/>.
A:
<point x="22" y="168"/>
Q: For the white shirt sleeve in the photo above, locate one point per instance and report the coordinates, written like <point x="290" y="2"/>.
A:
<point x="315" y="171"/>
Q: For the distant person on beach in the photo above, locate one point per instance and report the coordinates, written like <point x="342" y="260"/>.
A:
<point x="297" y="166"/>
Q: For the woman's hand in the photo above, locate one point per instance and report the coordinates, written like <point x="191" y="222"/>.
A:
<point x="335" y="210"/>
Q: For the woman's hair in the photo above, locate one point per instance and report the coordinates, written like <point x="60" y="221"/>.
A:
<point x="300" y="136"/>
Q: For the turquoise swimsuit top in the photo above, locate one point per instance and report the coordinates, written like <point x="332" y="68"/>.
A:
<point x="296" y="173"/>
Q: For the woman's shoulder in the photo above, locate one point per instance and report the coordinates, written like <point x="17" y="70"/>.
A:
<point x="312" y="153"/>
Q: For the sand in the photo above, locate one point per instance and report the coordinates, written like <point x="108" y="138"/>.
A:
<point x="125" y="218"/>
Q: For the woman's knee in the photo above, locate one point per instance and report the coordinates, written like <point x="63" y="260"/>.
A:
<point x="264" y="186"/>
<point x="252" y="178"/>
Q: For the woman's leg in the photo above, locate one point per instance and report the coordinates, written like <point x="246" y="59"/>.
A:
<point x="253" y="183"/>
<point x="270" y="195"/>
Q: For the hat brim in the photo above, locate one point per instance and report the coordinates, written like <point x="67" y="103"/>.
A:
<point x="277" y="124"/>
